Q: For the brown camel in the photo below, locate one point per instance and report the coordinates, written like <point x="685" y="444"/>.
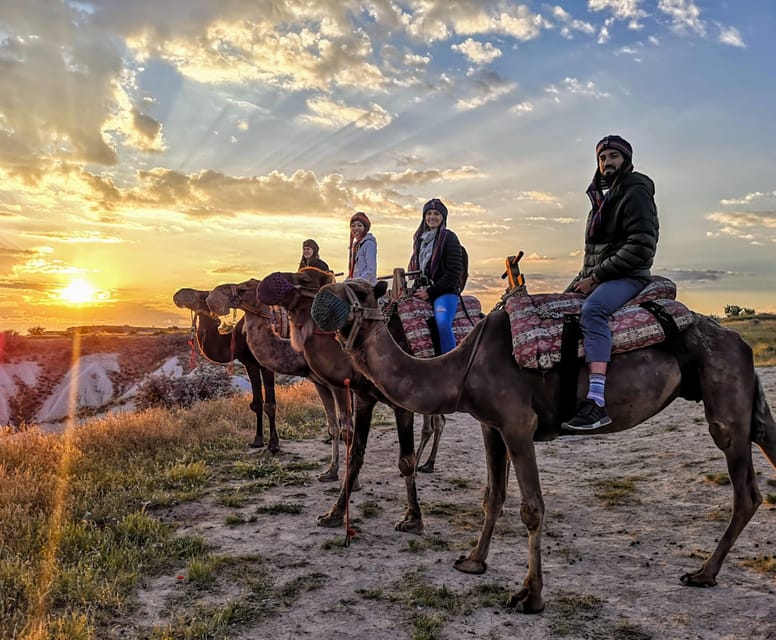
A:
<point x="327" y="359"/>
<point x="225" y="348"/>
<point x="278" y="354"/>
<point x="517" y="406"/>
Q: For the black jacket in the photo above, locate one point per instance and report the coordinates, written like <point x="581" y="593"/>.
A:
<point x="625" y="241"/>
<point x="447" y="277"/>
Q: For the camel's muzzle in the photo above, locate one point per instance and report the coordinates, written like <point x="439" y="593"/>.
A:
<point x="329" y="312"/>
<point x="273" y="289"/>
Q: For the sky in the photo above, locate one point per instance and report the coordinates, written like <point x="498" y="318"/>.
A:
<point x="147" y="145"/>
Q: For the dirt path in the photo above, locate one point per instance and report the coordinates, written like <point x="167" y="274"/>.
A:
<point x="610" y="571"/>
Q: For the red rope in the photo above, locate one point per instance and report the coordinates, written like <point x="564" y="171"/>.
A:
<point x="193" y="341"/>
<point x="350" y="532"/>
<point x="232" y="348"/>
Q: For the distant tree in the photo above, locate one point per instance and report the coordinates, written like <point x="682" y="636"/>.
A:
<point x="36" y="331"/>
<point x="732" y="311"/>
<point x="746" y="311"/>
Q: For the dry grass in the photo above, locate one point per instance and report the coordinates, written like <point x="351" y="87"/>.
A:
<point x="77" y="509"/>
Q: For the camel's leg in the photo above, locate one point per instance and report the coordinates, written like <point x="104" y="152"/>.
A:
<point x="330" y="407"/>
<point x="344" y="400"/>
<point x="523" y="455"/>
<point x="412" y="522"/>
<point x="253" y="369"/>
<point x="436" y="426"/>
<point x="728" y="391"/>
<point x="519" y="444"/>
<point x="268" y="382"/>
<point x="364" y="405"/>
<point x="495" y="495"/>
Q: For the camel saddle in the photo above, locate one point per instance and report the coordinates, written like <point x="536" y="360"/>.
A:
<point x="279" y="321"/>
<point x="415" y="313"/>
<point x="537" y="322"/>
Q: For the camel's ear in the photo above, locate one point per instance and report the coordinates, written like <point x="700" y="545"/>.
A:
<point x="380" y="288"/>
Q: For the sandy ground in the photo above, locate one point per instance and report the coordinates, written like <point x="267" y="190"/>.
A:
<point x="610" y="571"/>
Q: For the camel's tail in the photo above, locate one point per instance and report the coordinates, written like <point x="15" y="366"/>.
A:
<point x="763" y="425"/>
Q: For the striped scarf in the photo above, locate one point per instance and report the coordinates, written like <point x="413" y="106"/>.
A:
<point x="598" y="198"/>
<point x="433" y="265"/>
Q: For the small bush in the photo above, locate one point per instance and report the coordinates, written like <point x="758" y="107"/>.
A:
<point x="205" y="382"/>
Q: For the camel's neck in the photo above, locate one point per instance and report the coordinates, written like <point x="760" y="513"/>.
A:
<point x="215" y="346"/>
<point x="270" y="349"/>
<point x="421" y="385"/>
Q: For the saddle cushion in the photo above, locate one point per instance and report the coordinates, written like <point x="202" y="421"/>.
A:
<point x="537" y="322"/>
<point x="414" y="314"/>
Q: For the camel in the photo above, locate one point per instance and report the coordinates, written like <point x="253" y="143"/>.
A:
<point x="518" y="406"/>
<point x="327" y="359"/>
<point x="224" y="349"/>
<point x="275" y="355"/>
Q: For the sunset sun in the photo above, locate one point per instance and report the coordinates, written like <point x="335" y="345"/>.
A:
<point x="79" y="292"/>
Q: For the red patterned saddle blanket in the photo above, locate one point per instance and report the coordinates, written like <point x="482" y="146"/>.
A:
<point x="537" y="322"/>
<point x="414" y="314"/>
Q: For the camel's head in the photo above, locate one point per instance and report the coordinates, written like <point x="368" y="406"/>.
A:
<point x="295" y="291"/>
<point x="338" y="306"/>
<point x="289" y="289"/>
<point x="234" y="296"/>
<point x="193" y="299"/>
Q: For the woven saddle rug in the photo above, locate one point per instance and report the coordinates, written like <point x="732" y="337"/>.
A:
<point x="414" y="314"/>
<point x="537" y="322"/>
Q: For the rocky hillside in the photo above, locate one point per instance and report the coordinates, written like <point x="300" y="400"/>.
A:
<point x="41" y="374"/>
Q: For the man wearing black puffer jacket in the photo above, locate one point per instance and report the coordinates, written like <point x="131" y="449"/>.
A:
<point x="620" y="243"/>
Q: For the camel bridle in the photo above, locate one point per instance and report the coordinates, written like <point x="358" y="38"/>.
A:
<point x="360" y="313"/>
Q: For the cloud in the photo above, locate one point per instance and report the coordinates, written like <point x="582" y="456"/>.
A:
<point x="731" y="36"/>
<point x="749" y="198"/>
<point x="572" y="86"/>
<point x="75" y="237"/>
<point x="482" y="87"/>
<point x="684" y="14"/>
<point x="697" y="275"/>
<point x="756" y="227"/>
<point x="336" y="114"/>
<point x="538" y="197"/>
<point x="569" y="23"/>
<point x="621" y="10"/>
<point x="478" y="53"/>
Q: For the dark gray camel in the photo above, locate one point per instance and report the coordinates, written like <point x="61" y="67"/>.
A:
<point x="278" y="354"/>
<point x="225" y="348"/>
<point x="327" y="359"/>
<point x="517" y="406"/>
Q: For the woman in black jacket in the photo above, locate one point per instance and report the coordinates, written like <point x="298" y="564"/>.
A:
<point x="436" y="253"/>
<point x="310" y="257"/>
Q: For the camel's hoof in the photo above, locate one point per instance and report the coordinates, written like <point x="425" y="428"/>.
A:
<point x="330" y="476"/>
<point x="410" y="525"/>
<point x="426" y="468"/>
<point x="274" y="448"/>
<point x="465" y="565"/>
<point x="523" y="602"/>
<point x="330" y="520"/>
<point x="697" y="580"/>
<point x="356" y="485"/>
<point x="257" y="444"/>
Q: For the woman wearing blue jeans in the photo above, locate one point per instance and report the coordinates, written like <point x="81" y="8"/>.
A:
<point x="436" y="253"/>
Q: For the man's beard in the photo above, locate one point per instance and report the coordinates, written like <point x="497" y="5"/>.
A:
<point x="609" y="178"/>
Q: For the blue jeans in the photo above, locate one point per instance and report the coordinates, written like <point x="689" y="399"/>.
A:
<point x="445" y="307"/>
<point x="605" y="299"/>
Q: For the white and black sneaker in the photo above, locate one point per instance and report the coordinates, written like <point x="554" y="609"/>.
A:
<point x="589" y="416"/>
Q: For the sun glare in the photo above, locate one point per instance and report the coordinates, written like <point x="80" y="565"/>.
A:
<point x="79" y="292"/>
